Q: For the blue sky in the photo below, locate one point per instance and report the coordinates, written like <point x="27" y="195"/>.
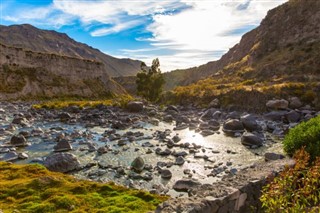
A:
<point x="181" y="33"/>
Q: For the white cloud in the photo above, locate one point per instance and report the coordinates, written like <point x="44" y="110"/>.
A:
<point x="116" y="28"/>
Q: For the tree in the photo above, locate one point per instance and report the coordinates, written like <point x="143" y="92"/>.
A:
<point x="150" y="81"/>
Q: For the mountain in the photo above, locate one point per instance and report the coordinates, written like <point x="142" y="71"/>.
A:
<point x="48" y="41"/>
<point x="279" y="58"/>
<point x="285" y="43"/>
<point x="38" y="63"/>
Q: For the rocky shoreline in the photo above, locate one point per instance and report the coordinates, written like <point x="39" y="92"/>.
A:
<point x="182" y="151"/>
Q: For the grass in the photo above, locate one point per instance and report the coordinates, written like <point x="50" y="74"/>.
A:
<point x="63" y="103"/>
<point x="32" y="188"/>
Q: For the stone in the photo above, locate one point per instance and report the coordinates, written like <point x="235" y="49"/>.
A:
<point x="249" y="139"/>
<point x="250" y="124"/>
<point x="179" y="160"/>
<point x="168" y="118"/>
<point x="62" y="162"/>
<point x="240" y="201"/>
<point x="166" y="174"/>
<point x="19" y="120"/>
<point x="233" y="126"/>
<point x="171" y="108"/>
<point x="23" y="156"/>
<point x="64" y="116"/>
<point x="10" y="156"/>
<point x="135" y="106"/>
<point x="207" y="132"/>
<point x="62" y="146"/>
<point x="295" y="103"/>
<point x="269" y="156"/>
<point x="207" y="115"/>
<point x="18" y="140"/>
<point x="277" y="104"/>
<point x="138" y="164"/>
<point x="215" y="103"/>
<point x="275" y="115"/>
<point x="185" y="185"/>
<point x="176" y="138"/>
<point x="292" y="116"/>
<point x="102" y="150"/>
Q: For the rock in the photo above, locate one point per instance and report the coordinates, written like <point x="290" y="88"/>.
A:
<point x="269" y="156"/>
<point x="62" y="145"/>
<point x="233" y="126"/>
<point x="135" y="106"/>
<point x="64" y="116"/>
<point x="216" y="115"/>
<point x="207" y="132"/>
<point x="233" y="115"/>
<point x="207" y="115"/>
<point x="215" y="103"/>
<point x="154" y="121"/>
<point x="10" y="156"/>
<point x="19" y="121"/>
<point x="138" y="164"/>
<point x="249" y="139"/>
<point x="185" y="185"/>
<point x="295" y="103"/>
<point x="275" y="115"/>
<point x="292" y="116"/>
<point x="102" y="150"/>
<point x="23" y="155"/>
<point x="179" y="160"/>
<point x="277" y="104"/>
<point x="166" y="152"/>
<point x="176" y="138"/>
<point x="18" y="140"/>
<point x="250" y="124"/>
<point x="168" y="118"/>
<point x="166" y="174"/>
<point x="62" y="162"/>
<point x="171" y="108"/>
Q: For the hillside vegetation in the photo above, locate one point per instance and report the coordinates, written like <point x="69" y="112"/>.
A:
<point x="279" y="58"/>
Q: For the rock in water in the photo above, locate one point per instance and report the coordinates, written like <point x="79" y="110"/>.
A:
<point x="166" y="174"/>
<point x="249" y="122"/>
<point x="10" y="156"/>
<point x="249" y="139"/>
<point x="62" y="146"/>
<point x="135" y="106"/>
<point x="62" y="162"/>
<point x="138" y="164"/>
<point x="18" y="140"/>
<point x="233" y="126"/>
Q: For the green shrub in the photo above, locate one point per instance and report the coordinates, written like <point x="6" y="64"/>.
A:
<point x="296" y="189"/>
<point x="306" y="134"/>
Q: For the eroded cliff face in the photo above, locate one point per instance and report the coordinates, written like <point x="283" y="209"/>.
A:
<point x="26" y="74"/>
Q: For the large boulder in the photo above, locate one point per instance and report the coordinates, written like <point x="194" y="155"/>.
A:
<point x="277" y="104"/>
<point x="250" y="124"/>
<point x="185" y="185"/>
<point x="18" y="140"/>
<point x="138" y="164"/>
<point x="62" y="162"/>
<point x="295" y="103"/>
<point x="293" y="116"/>
<point x="251" y="140"/>
<point x="233" y="126"/>
<point x="135" y="106"/>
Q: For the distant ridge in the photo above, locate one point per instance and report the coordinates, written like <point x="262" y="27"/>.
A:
<point x="31" y="38"/>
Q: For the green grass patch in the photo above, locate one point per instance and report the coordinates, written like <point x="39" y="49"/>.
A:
<point x="35" y="189"/>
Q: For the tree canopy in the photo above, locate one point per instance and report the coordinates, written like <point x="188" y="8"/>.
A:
<point x="150" y="81"/>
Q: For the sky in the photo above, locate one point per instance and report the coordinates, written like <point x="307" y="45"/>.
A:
<point x="181" y="33"/>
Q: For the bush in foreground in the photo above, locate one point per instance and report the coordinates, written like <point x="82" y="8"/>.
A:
<point x="296" y="189"/>
<point x="306" y="134"/>
<point x="32" y="188"/>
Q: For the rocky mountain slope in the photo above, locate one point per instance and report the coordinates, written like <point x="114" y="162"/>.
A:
<point x="285" y="45"/>
<point x="48" y="41"/>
